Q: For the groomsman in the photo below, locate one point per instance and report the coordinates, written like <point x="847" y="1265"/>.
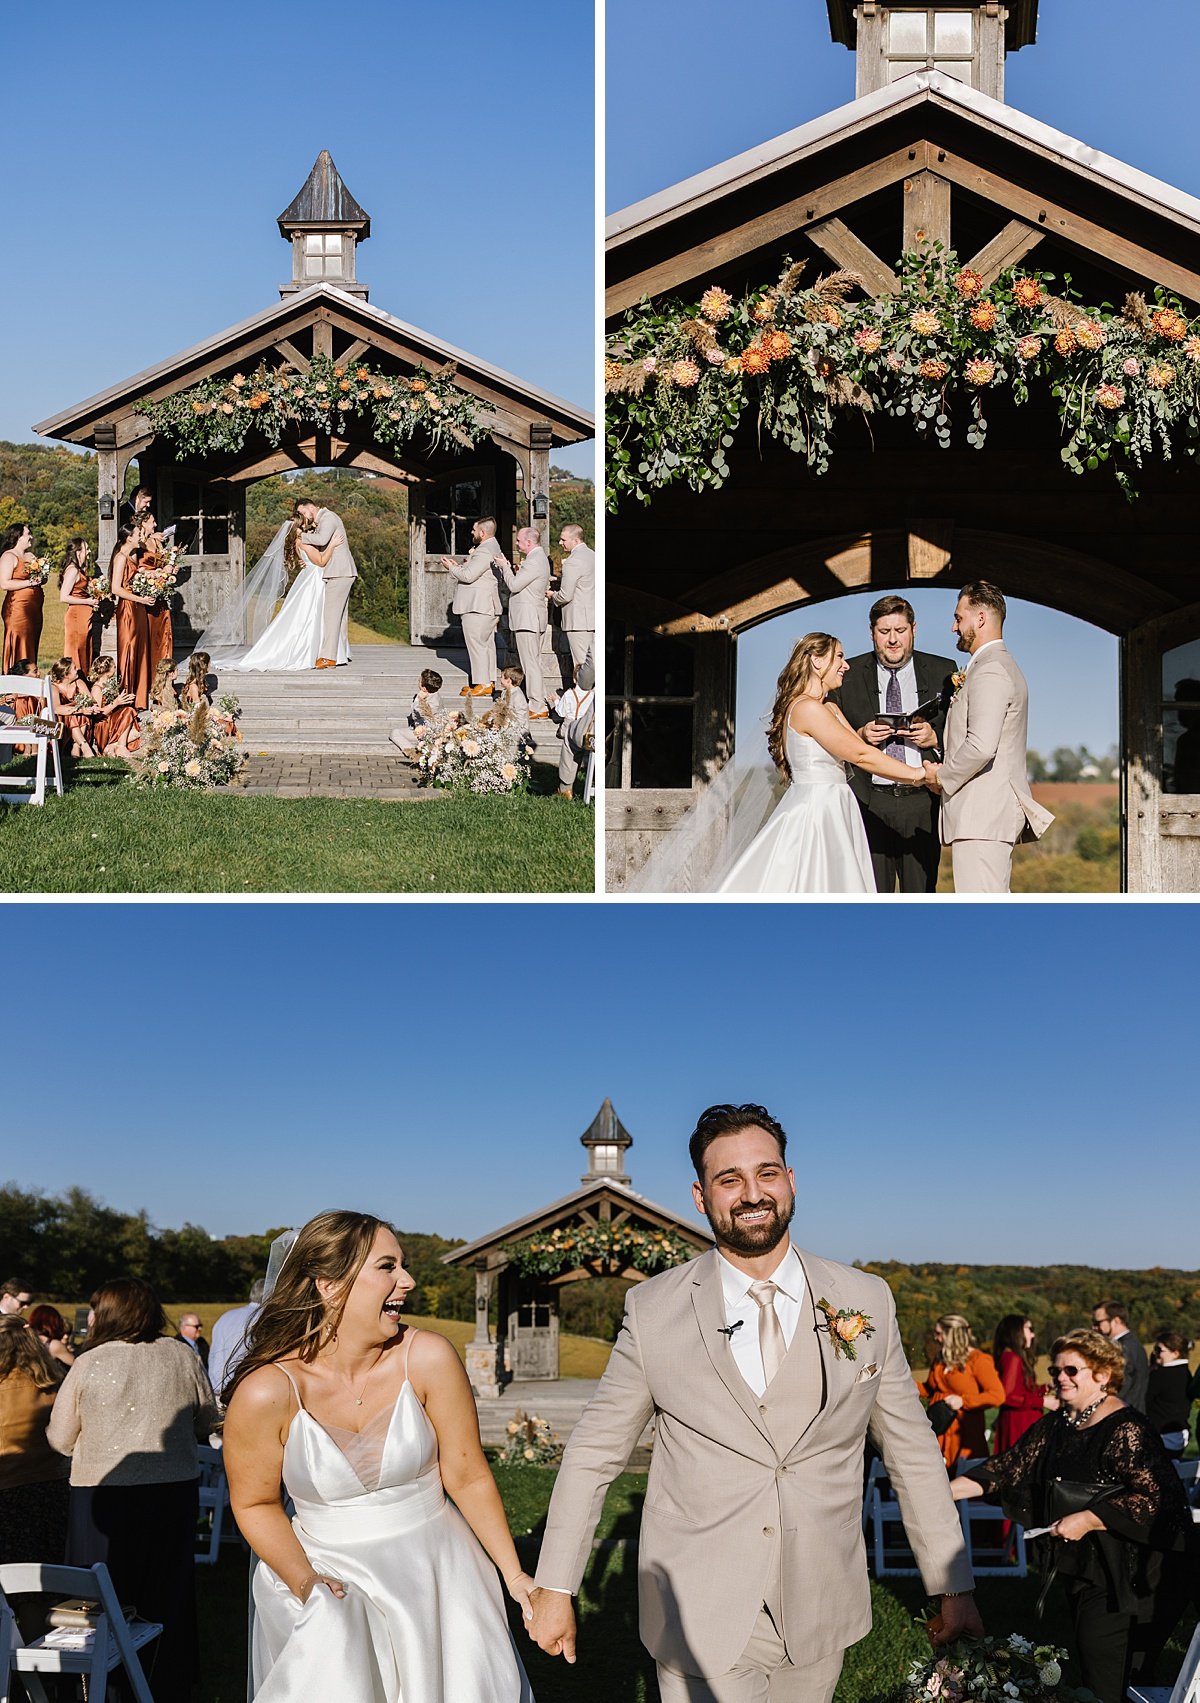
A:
<point x="576" y="594"/>
<point x="987" y="807"/>
<point x="477" y="603"/>
<point x="893" y="678"/>
<point x="528" y="618"/>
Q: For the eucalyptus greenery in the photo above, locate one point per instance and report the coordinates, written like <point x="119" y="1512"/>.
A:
<point x="681" y="377"/>
<point x="610" y="1246"/>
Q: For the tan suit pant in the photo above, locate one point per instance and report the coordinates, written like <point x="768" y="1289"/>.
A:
<point x="763" y="1674"/>
<point x="529" y="650"/>
<point x="982" y="866"/>
<point x="337" y="603"/>
<point x="580" y="644"/>
<point x="479" y="632"/>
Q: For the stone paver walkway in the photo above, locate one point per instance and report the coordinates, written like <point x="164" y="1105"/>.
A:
<point x="291" y="775"/>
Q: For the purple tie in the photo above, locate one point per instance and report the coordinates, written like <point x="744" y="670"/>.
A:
<point x="895" y="747"/>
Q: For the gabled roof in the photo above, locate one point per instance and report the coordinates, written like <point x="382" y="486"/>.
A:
<point x="325" y="200"/>
<point x="77" y="423"/>
<point x="558" y="1210"/>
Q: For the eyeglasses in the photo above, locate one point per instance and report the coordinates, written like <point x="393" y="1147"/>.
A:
<point x="1071" y="1372"/>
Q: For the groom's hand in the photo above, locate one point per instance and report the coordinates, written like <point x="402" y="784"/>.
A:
<point x="958" y="1617"/>
<point x="933" y="778"/>
<point x="553" y="1625"/>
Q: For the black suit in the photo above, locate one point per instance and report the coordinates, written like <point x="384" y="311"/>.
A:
<point x="902" y="828"/>
<point x="1136" y="1386"/>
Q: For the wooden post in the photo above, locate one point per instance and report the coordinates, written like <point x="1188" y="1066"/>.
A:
<point x="926" y="210"/>
<point x="482" y="1353"/>
<point x="537" y="495"/>
<point x="108" y="498"/>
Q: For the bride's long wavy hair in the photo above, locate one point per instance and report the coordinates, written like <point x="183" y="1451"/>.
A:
<point x="797" y="672"/>
<point x="292" y="559"/>
<point x="295" y="1319"/>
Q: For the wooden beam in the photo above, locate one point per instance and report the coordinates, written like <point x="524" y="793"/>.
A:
<point x="1006" y="248"/>
<point x="838" y="241"/>
<point x="323" y="335"/>
<point x="930" y="546"/>
<point x="799" y="213"/>
<point x="926" y="211"/>
<point x="293" y="356"/>
<point x="353" y="353"/>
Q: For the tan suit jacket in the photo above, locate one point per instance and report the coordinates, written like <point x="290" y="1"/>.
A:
<point x="477" y="591"/>
<point x="985" y="786"/>
<point x="341" y="564"/>
<point x="527" y="586"/>
<point x="750" y="1499"/>
<point x="576" y="595"/>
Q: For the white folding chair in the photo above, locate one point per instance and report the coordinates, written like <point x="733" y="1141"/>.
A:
<point x="214" y="1499"/>
<point x="115" y="1642"/>
<point x="994" y="1555"/>
<point x="33" y="788"/>
<point x="1186" y="1688"/>
<point x="895" y="1561"/>
<point x="589" y="778"/>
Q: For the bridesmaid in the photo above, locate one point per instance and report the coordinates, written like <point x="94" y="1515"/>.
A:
<point x="116" y="731"/>
<point x="133" y="627"/>
<point x="162" y="639"/>
<point x="73" y="705"/>
<point x="21" y="610"/>
<point x="73" y="580"/>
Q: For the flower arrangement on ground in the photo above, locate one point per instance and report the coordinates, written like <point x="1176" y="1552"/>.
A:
<point x="218" y="414"/>
<point x="529" y="1441"/>
<point x="990" y="1670"/>
<point x="470" y="756"/>
<point x="187" y="748"/>
<point x="612" y="1246"/>
<point x="681" y="376"/>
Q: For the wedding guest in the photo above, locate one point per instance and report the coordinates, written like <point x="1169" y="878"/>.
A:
<point x="965" y="1378"/>
<point x="229" y="1338"/>
<point x="71" y="703"/>
<point x="576" y="593"/>
<point x="528" y="617"/>
<point x="575" y="711"/>
<point x="133" y="623"/>
<point x="33" y="1478"/>
<point x="24" y="704"/>
<point x="55" y="1333"/>
<point x="477" y="604"/>
<point x="195" y="688"/>
<point x="426" y="707"/>
<point x="891" y="679"/>
<point x="512" y="695"/>
<point x="81" y="607"/>
<point x="1111" y="1319"/>
<point x="23" y="603"/>
<point x="1025" y="1400"/>
<point x="15" y="1296"/>
<point x="130" y="1414"/>
<point x="161" y="638"/>
<point x="163" y="692"/>
<point x="116" y="732"/>
<point x="136" y="507"/>
<point x="1095" y="1472"/>
<point x="1168" y="1391"/>
<point x="191" y="1331"/>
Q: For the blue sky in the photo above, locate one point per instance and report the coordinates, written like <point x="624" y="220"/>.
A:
<point x="684" y="91"/>
<point x="1033" y="1102"/>
<point x="159" y="144"/>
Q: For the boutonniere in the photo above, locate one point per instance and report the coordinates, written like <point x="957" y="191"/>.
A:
<point x="845" y="1325"/>
<point x="958" y="680"/>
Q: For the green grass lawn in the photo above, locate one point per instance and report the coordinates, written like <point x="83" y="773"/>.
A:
<point x="107" y="837"/>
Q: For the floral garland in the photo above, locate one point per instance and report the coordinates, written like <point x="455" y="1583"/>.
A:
<point x="680" y="377"/>
<point x="217" y="415"/>
<point x="615" y="1245"/>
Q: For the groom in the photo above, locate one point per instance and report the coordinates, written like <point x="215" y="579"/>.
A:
<point x="325" y="538"/>
<point x="766" y="1369"/>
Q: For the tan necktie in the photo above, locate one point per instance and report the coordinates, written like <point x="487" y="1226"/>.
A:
<point x="770" y="1331"/>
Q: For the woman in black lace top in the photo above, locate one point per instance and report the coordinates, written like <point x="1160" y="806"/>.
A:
<point x="1119" y="1552"/>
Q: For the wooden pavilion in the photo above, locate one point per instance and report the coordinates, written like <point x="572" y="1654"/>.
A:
<point x="323" y="311"/>
<point x="526" y="1340"/>
<point x="927" y="152"/>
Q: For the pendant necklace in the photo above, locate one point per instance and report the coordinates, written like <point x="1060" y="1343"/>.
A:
<point x="1073" y="1420"/>
<point x="358" y="1400"/>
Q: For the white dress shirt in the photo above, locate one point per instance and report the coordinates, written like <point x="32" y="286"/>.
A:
<point x="906" y="677"/>
<point x="978" y="653"/>
<point x="742" y="1311"/>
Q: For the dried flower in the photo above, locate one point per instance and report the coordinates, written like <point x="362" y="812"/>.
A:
<point x="868" y="340"/>
<point x="715" y="357"/>
<point x="777" y="344"/>
<point x="925" y="322"/>
<point x="1110" y="396"/>
<point x="685" y="374"/>
<point x="1132" y="367"/>
<point x="1066" y="342"/>
<point x="831" y="316"/>
<point x="933" y="369"/>
<point x="755" y="359"/>
<point x="238" y="380"/>
<point x="968" y="283"/>
<point x="1165" y="322"/>
<point x="1159" y="375"/>
<point x="418" y="384"/>
<point x="1192" y="348"/>
<point x="895" y="362"/>
<point x="434" y="402"/>
<point x="983" y="316"/>
<point x="612" y="371"/>
<point x="731" y="365"/>
<point x="715" y="304"/>
<point x="1089" y="333"/>
<point x="763" y="312"/>
<point x="1027" y="292"/>
<point x="650" y="364"/>
<point x="1028" y="348"/>
<point x="979" y="370"/>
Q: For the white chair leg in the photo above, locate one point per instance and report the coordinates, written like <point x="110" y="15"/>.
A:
<point x="58" y="780"/>
<point x="39" y="786"/>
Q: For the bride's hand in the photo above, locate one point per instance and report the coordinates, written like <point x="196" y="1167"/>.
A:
<point x="518" y="1588"/>
<point x="307" y="1586"/>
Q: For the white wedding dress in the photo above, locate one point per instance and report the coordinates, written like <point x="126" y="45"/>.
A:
<point x="423" y="1617"/>
<point x="814" y="841"/>
<point x="247" y="636"/>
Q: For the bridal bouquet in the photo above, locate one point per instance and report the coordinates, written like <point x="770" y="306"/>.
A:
<point x="990" y="1670"/>
<point x="529" y="1441"/>
<point x="228" y="709"/>
<point x="466" y="756"/>
<point x="37" y="570"/>
<point x="188" y="749"/>
<point x="157" y="580"/>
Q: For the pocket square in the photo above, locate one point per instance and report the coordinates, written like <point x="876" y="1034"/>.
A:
<point x="871" y="1371"/>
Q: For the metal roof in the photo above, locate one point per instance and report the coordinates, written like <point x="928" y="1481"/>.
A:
<point x="576" y="423"/>
<point x="691" y="1228"/>
<point x="325" y="200"/>
<point x="920" y="88"/>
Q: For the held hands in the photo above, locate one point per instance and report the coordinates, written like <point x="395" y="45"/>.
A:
<point x="957" y="1617"/>
<point x="519" y="1588"/>
<point x="552" y="1627"/>
<point x="933" y="780"/>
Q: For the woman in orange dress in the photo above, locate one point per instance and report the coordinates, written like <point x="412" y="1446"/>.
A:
<point x="21" y="610"/>
<point x="73" y="706"/>
<point x="115" y="732"/>
<point x="73" y="580"/>
<point x="162" y="639"/>
<point x="133" y="626"/>
<point x="966" y="1379"/>
<point x="22" y="705"/>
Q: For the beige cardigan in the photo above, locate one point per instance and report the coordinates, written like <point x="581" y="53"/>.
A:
<point x="132" y="1413"/>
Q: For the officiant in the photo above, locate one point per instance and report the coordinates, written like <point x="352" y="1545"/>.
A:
<point x="895" y="679"/>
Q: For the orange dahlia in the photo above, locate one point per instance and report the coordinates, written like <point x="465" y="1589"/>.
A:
<point x="1110" y="396"/>
<point x="1169" y="324"/>
<point x="1192" y="348"/>
<point x="1159" y="375"/>
<point x="1089" y="333"/>
<point x="1028" y="348"/>
<point x="925" y="322"/>
<point x="968" y="284"/>
<point x="983" y="316"/>
<point x="1027" y="292"/>
<point x="344" y="385"/>
<point x="777" y="344"/>
<point x="612" y="371"/>
<point x="686" y="374"/>
<point x="933" y="369"/>
<point x="418" y="384"/>
<point x="1066" y="342"/>
<point x="362" y="375"/>
<point x="715" y="304"/>
<point x="979" y="370"/>
<point x="755" y="359"/>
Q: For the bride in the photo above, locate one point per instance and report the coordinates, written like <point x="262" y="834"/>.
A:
<point x="814" y="841"/>
<point x="379" y="1588"/>
<point x="247" y="636"/>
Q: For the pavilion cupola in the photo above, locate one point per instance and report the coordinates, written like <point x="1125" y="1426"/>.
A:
<point x="324" y="225"/>
<point x="607" y="1141"/>
<point x="965" y="40"/>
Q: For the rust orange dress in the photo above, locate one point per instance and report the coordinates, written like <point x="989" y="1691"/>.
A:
<point x="978" y="1383"/>
<point x="158" y="621"/>
<point x="116" y="725"/>
<point x="77" y="628"/>
<point x="133" y="645"/>
<point x="21" y="613"/>
<point x="74" y="723"/>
